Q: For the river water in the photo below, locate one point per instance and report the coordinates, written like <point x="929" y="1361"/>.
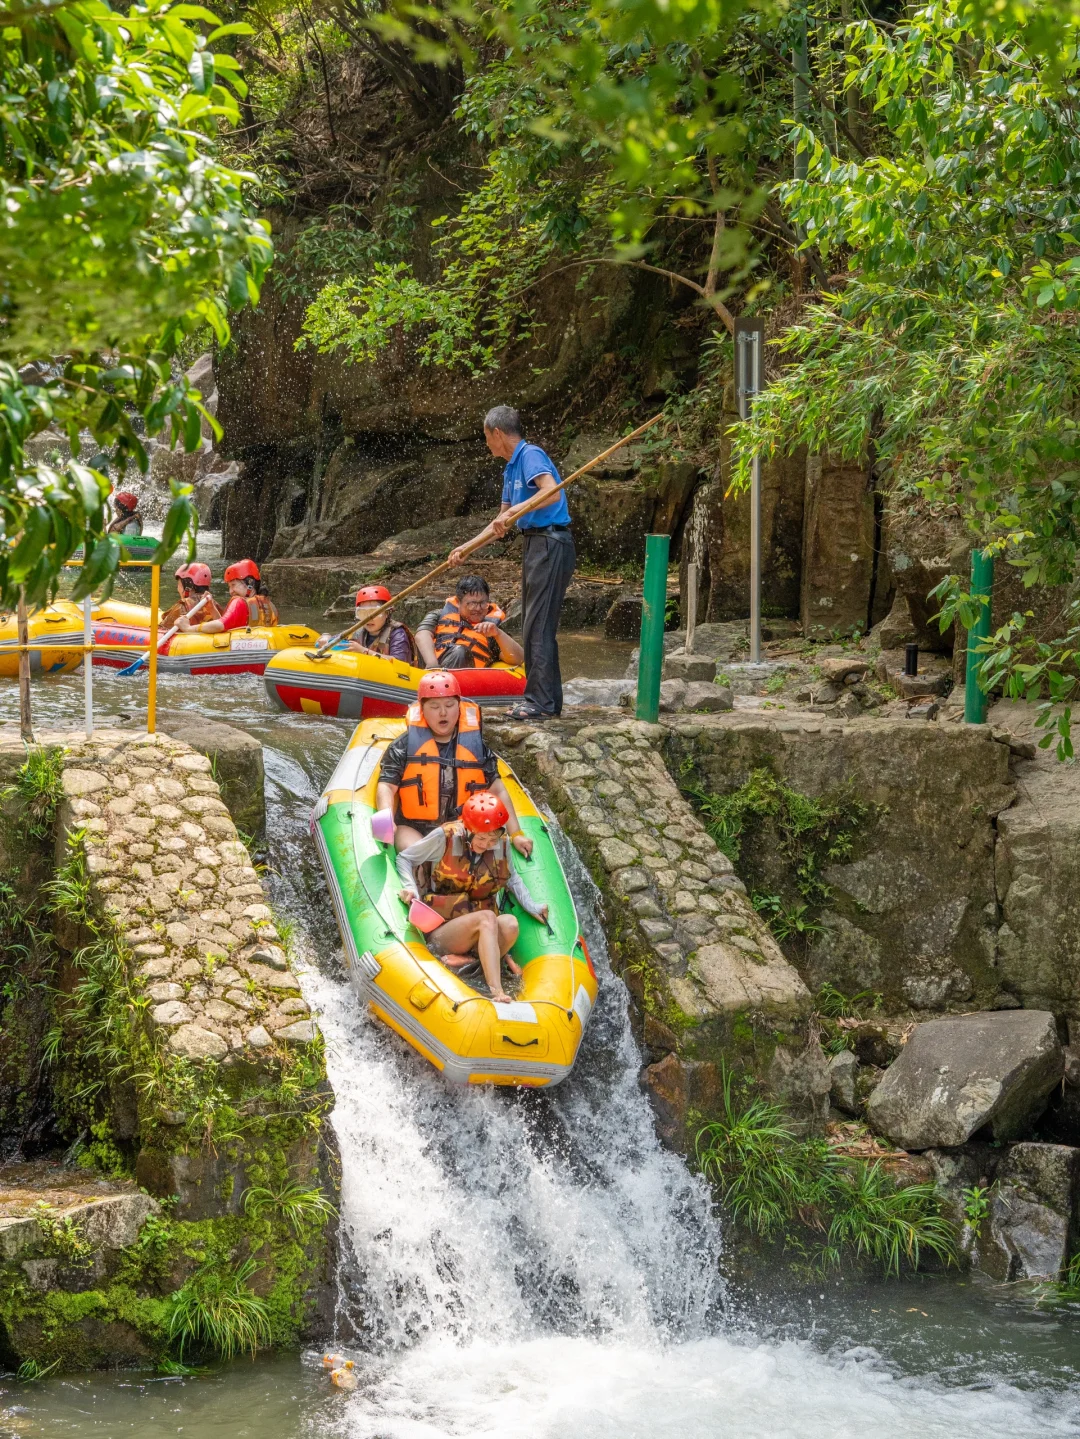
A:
<point x="535" y="1265"/>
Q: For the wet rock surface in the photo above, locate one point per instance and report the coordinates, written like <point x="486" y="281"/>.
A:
<point x="704" y="967"/>
<point x="956" y="1077"/>
<point x="170" y="870"/>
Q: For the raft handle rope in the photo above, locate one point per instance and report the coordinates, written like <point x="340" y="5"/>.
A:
<point x="541" y="498"/>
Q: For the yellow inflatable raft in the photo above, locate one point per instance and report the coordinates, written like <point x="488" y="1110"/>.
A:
<point x="59" y="625"/>
<point x="123" y="629"/>
<point x="532" y="1042"/>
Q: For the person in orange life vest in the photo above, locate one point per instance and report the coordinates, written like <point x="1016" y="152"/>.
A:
<point x="465" y="633"/>
<point x="248" y="604"/>
<point x="464" y="866"/>
<point x="384" y="635"/>
<point x="428" y="773"/>
<point x="192" y="585"/>
<point x="128" y="521"/>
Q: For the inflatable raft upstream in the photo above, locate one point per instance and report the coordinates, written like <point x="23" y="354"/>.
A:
<point x="124" y="630"/>
<point x="531" y="1042"/>
<point x="348" y="685"/>
<point x="59" y="625"/>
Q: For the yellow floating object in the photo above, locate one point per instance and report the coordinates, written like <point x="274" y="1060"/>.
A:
<point x="531" y="1042"/>
<point x="123" y="629"/>
<point x="59" y="625"/>
<point x="346" y="684"/>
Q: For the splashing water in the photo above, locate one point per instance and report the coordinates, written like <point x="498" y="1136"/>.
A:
<point x="534" y="1264"/>
<point x="530" y="1264"/>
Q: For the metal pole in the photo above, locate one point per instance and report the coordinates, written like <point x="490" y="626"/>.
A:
<point x="151" y="659"/>
<point x="755" y="561"/>
<point x="88" y="667"/>
<point x="691" y="606"/>
<point x="651" y="657"/>
<point x="976" y="699"/>
<point x="749" y="379"/>
<point x="26" y="728"/>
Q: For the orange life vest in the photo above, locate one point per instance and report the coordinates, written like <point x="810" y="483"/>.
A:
<point x="463" y="880"/>
<point x="262" y="611"/>
<point x="207" y="611"/>
<point x="452" y="630"/>
<point x="418" y="793"/>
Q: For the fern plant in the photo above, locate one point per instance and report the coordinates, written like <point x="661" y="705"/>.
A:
<point x="216" y="1312"/>
<point x="300" y="1207"/>
<point x="781" y="1187"/>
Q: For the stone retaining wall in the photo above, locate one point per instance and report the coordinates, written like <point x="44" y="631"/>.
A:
<point x="167" y="865"/>
<point x="160" y="1043"/>
<point x="709" y="979"/>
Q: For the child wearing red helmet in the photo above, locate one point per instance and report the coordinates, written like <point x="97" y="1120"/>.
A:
<point x="429" y="772"/>
<point x="384" y="635"/>
<point x="461" y="870"/>
<point x="249" y="604"/>
<point x="128" y="521"/>
<point x="192" y="588"/>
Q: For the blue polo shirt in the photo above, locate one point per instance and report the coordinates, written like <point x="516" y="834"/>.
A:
<point x="519" y="484"/>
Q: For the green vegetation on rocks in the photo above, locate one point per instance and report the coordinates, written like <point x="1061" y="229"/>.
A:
<point x="822" y="1208"/>
<point x="232" y="1252"/>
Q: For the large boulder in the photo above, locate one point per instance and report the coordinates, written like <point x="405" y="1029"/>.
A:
<point x="957" y="1076"/>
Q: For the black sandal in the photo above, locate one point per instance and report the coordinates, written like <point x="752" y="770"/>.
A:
<point x="524" y="712"/>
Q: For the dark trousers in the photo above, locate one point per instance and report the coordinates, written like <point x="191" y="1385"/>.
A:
<point x="546" y="569"/>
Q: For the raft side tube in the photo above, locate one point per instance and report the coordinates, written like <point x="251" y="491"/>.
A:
<point x="531" y="1042"/>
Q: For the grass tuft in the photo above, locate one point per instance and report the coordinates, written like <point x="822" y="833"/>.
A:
<point x="795" y="1190"/>
<point x="216" y="1312"/>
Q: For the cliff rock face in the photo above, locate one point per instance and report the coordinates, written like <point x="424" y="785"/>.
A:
<point x="338" y="456"/>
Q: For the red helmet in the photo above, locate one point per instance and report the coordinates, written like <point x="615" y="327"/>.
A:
<point x="199" y="574"/>
<point x="373" y="595"/>
<point x="181" y="573"/>
<point x="242" y="570"/>
<point x="126" y="500"/>
<point x="438" y="684"/>
<point x="484" y="812"/>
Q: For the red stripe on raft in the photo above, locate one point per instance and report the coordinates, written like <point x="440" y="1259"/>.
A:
<point x="489" y="682"/>
<point x="291" y="695"/>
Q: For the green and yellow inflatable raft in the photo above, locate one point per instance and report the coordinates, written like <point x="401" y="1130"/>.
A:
<point x="532" y="1042"/>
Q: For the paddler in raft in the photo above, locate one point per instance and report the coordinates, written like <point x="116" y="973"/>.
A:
<point x="193" y="590"/>
<point x="249" y="604"/>
<point x="466" y="633"/>
<point x="128" y="521"/>
<point x="429" y="772"/>
<point x="460" y="870"/>
<point x="385" y="635"/>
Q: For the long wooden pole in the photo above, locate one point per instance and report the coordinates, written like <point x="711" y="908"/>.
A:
<point x="541" y="498"/>
<point x="26" y="728"/>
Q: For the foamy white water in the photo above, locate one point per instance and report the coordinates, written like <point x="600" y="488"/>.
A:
<point x="536" y="1265"/>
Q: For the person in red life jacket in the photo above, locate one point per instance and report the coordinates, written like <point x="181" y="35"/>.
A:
<point x="385" y="635"/>
<point x="249" y="604"/>
<point x="128" y="521"/>
<point x="192" y="588"/>
<point x="465" y="633"/>
<point x="461" y="870"/>
<point x="429" y="772"/>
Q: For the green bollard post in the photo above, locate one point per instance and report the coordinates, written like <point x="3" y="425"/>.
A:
<point x="982" y="583"/>
<point x="651" y="658"/>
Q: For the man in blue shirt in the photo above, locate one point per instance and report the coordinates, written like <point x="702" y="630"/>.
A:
<point x="547" y="562"/>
